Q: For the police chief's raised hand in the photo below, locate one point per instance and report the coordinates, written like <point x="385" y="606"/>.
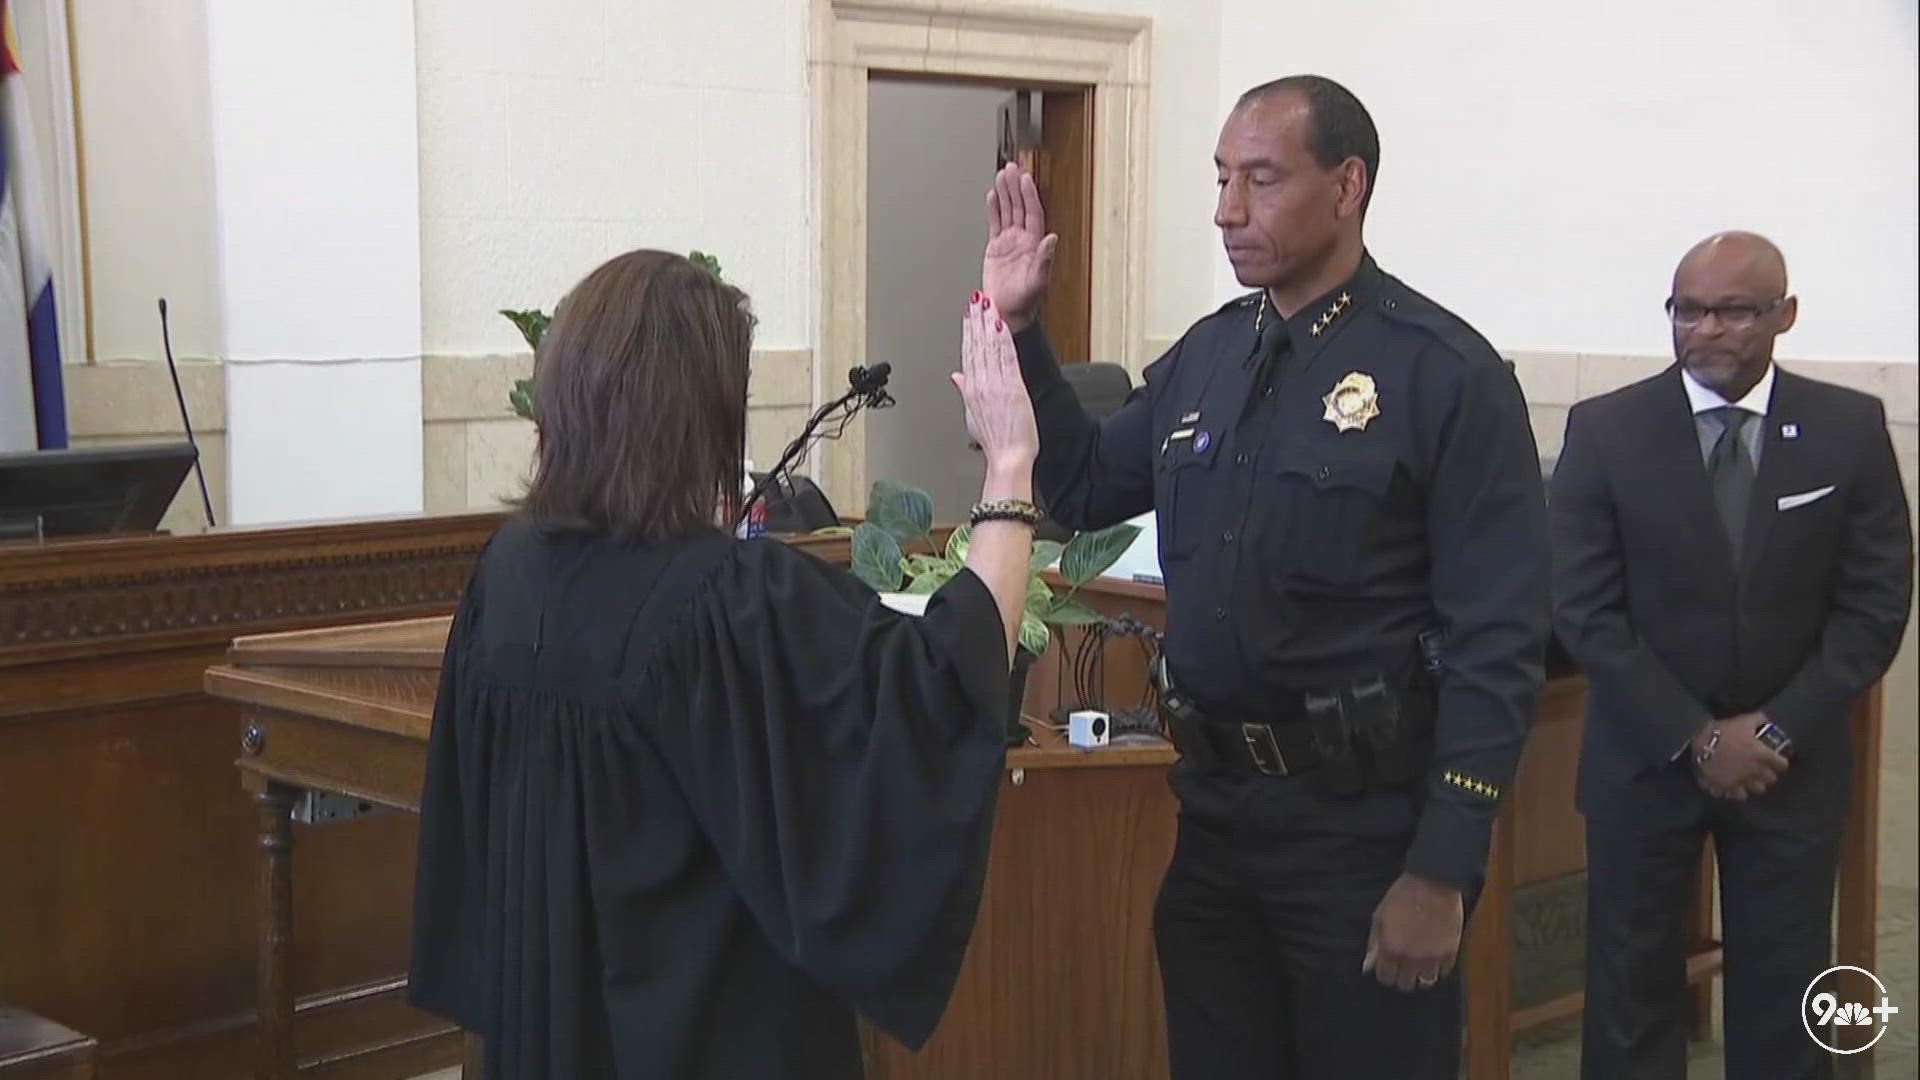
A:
<point x="1020" y="250"/>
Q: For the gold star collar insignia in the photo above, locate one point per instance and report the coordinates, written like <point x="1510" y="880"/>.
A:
<point x="1352" y="403"/>
<point x="1333" y="312"/>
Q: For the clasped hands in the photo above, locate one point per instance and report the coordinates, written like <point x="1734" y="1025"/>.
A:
<point x="1730" y="762"/>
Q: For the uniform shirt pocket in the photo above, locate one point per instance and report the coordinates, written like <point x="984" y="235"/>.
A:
<point x="1186" y="478"/>
<point x="1332" y="503"/>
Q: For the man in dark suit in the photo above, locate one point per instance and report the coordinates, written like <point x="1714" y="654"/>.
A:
<point x="1733" y="564"/>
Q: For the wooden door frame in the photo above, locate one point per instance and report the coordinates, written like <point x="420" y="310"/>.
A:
<point x="850" y="40"/>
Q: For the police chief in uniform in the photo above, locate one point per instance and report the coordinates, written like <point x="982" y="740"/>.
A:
<point x="1353" y="536"/>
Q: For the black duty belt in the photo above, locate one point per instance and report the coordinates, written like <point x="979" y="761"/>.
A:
<point x="1280" y="748"/>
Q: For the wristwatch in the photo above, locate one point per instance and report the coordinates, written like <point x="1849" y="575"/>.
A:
<point x="1779" y="741"/>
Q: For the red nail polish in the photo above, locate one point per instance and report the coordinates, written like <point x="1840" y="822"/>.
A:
<point x="976" y="296"/>
<point x="998" y="325"/>
<point x="986" y="301"/>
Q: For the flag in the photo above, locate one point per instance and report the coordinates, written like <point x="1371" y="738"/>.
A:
<point x="33" y="409"/>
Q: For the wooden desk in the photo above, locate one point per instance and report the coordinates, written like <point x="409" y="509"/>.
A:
<point x="126" y="862"/>
<point x="1059" y="979"/>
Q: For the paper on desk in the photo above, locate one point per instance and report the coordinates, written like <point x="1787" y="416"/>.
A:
<point x="1141" y="560"/>
<point x="906" y="603"/>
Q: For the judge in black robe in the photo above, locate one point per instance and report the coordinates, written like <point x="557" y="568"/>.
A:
<point x="692" y="803"/>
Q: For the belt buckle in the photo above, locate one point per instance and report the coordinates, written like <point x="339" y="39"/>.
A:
<point x="1264" y="748"/>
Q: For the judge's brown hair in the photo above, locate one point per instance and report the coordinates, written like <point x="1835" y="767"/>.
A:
<point x="640" y="399"/>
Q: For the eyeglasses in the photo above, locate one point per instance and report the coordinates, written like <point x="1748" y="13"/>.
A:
<point x="1686" y="314"/>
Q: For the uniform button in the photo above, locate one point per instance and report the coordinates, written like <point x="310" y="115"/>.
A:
<point x="1267" y="390"/>
<point x="1324" y="473"/>
<point x="1240" y="459"/>
<point x="1219" y="614"/>
<point x="1227" y="537"/>
<point x="1391" y="304"/>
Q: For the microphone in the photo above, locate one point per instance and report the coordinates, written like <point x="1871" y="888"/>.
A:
<point x="166" y="343"/>
<point x="866" y="386"/>
<point x="871" y="384"/>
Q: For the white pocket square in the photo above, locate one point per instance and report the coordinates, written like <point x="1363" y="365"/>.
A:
<point x="1794" y="502"/>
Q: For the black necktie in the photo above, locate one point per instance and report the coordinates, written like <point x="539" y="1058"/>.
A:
<point x="1730" y="469"/>
<point x="1272" y="341"/>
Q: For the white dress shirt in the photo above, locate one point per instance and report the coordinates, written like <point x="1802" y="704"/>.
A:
<point x="1756" y="401"/>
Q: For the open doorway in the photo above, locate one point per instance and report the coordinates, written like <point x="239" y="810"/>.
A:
<point x="933" y="147"/>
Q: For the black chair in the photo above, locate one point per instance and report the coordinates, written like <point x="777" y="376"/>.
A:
<point x="1101" y="387"/>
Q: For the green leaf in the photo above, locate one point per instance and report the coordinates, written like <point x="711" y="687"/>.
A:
<point x="957" y="544"/>
<point x="521" y="398"/>
<point x="928" y="583"/>
<point x="928" y="564"/>
<point x="833" y="530"/>
<point x="1044" y="554"/>
<point x="705" y="261"/>
<point x="1074" y="613"/>
<point x="906" y="513"/>
<point x="876" y="558"/>
<point x="1034" y="634"/>
<point x="1040" y="598"/>
<point x="532" y="324"/>
<point x="1088" y="555"/>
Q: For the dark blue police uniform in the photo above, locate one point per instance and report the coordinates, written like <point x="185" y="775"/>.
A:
<point x="1353" y="536"/>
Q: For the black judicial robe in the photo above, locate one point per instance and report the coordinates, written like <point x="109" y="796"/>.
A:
<point x="688" y="808"/>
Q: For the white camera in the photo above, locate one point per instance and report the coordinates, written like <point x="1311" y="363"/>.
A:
<point x="1088" y="728"/>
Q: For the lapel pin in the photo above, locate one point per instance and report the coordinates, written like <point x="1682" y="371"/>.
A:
<point x="1789" y="431"/>
<point x="1201" y="442"/>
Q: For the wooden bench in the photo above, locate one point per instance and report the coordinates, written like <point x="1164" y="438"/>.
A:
<point x="35" y="1048"/>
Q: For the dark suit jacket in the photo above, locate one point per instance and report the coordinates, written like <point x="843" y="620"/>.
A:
<point x="1671" y="634"/>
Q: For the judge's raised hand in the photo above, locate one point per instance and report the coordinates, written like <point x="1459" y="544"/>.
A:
<point x="1019" y="248"/>
<point x="999" y="413"/>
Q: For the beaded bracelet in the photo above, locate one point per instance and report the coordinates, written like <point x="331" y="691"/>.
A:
<point x="1007" y="510"/>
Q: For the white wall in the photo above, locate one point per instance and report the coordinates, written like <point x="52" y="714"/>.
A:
<point x="1545" y="165"/>
<point x="552" y="137"/>
<point x="930" y="159"/>
<point x="1181" y="243"/>
<point x="317" y="253"/>
<point x="140" y="77"/>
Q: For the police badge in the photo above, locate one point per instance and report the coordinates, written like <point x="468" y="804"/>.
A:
<point x="1352" y="402"/>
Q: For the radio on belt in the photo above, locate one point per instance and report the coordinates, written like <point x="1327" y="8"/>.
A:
<point x="1088" y="728"/>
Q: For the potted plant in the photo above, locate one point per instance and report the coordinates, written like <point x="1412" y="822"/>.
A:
<point x="532" y="324"/>
<point x="900" y="520"/>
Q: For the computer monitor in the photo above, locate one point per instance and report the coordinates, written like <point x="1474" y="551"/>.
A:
<point x="91" y="491"/>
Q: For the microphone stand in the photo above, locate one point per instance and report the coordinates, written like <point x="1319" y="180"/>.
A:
<point x="863" y="392"/>
<point x="199" y="470"/>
